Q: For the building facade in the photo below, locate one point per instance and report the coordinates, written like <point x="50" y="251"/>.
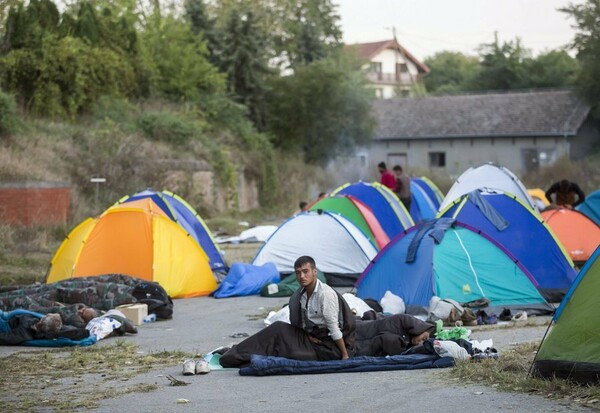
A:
<point x="390" y="69"/>
<point x="448" y="134"/>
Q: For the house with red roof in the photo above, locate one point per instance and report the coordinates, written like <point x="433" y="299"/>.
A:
<point x="390" y="69"/>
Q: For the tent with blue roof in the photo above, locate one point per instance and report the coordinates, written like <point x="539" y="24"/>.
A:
<point x="591" y="206"/>
<point x="435" y="194"/>
<point x="178" y="210"/>
<point x="519" y="229"/>
<point x="448" y="259"/>
<point x="389" y="211"/>
<point x="422" y="207"/>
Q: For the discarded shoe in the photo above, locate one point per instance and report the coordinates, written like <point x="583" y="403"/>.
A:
<point x="522" y="316"/>
<point x="189" y="367"/>
<point x="481" y="302"/>
<point x="492" y="319"/>
<point x="202" y="367"/>
<point x="505" y="315"/>
<point x="489" y="353"/>
<point x="468" y="318"/>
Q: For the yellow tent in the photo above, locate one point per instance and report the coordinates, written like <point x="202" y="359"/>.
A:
<point x="139" y="240"/>
<point x="538" y="193"/>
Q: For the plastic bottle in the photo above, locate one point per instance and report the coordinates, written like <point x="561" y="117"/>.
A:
<point x="149" y="318"/>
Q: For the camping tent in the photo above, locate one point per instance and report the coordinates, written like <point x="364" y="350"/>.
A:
<point x="386" y="206"/>
<point x="136" y="239"/>
<point x="435" y="195"/>
<point x="177" y="209"/>
<point x="591" y="206"/>
<point x="520" y="230"/>
<point x="571" y="349"/>
<point x="357" y="213"/>
<point x="487" y="176"/>
<point x="421" y="206"/>
<point x="579" y="235"/>
<point x="340" y="249"/>
<point x="446" y="258"/>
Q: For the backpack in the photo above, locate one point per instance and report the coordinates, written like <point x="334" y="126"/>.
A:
<point x="155" y="296"/>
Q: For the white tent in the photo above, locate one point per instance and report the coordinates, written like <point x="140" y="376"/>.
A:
<point x="488" y="176"/>
<point x="340" y="249"/>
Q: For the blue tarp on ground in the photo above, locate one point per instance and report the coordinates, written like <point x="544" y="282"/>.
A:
<point x="246" y="279"/>
<point x="269" y="365"/>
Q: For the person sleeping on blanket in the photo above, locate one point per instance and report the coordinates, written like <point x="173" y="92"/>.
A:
<point x="322" y="327"/>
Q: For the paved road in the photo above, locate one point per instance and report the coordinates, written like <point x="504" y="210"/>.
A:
<point x="202" y="324"/>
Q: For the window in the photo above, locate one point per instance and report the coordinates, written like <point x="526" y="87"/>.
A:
<point x="437" y="159"/>
<point x="375" y="67"/>
<point x="401" y="68"/>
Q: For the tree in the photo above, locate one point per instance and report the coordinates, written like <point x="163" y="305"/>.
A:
<point x="501" y="66"/>
<point x="322" y="110"/>
<point x="243" y="58"/>
<point x="551" y="69"/>
<point x="450" y="72"/>
<point x="587" y="44"/>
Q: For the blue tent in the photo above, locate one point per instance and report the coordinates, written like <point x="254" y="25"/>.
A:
<point x="181" y="212"/>
<point x="445" y="258"/>
<point x="422" y="207"/>
<point x="591" y="206"/>
<point x="431" y="189"/>
<point x="389" y="211"/>
<point x="246" y="279"/>
<point x="522" y="231"/>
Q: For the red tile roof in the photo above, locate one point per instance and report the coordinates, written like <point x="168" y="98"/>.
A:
<point x="368" y="50"/>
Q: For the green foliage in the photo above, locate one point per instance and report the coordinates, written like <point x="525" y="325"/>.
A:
<point x="8" y="114"/>
<point x="167" y="127"/>
<point x="501" y="66"/>
<point x="450" y="71"/>
<point x="552" y="69"/>
<point x="587" y="44"/>
<point x="176" y="59"/>
<point x="322" y="110"/>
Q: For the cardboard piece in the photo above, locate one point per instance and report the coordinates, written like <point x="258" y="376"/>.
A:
<point x="134" y="312"/>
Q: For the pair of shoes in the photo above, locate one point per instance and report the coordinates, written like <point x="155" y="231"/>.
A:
<point x="505" y="315"/>
<point x="191" y="367"/>
<point x="484" y="318"/>
<point x="522" y="316"/>
<point x="489" y="353"/>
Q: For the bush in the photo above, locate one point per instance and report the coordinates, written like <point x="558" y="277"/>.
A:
<point x="167" y="127"/>
<point x="8" y="114"/>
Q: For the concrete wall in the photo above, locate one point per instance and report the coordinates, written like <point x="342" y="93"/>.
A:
<point x="462" y="153"/>
<point x="587" y="139"/>
<point x="34" y="203"/>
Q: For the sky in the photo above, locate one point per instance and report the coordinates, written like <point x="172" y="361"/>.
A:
<point x="425" y="27"/>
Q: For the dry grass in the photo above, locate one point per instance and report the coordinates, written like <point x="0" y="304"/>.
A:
<point x="66" y="380"/>
<point x="510" y="373"/>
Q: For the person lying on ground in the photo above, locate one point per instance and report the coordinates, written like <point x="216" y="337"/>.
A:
<point x="26" y="326"/>
<point x="321" y="325"/>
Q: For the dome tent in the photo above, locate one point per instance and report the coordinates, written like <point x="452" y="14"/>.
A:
<point x="340" y="249"/>
<point x="520" y="230"/>
<point x="389" y="211"/>
<point x="136" y="239"/>
<point x="488" y="176"/>
<point x="178" y="210"/>
<point x="448" y="259"/>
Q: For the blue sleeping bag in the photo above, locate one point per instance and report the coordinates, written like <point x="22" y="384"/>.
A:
<point x="246" y="279"/>
<point x="269" y="365"/>
<point x="57" y="342"/>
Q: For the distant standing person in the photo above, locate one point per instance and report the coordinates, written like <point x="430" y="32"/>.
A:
<point x="402" y="188"/>
<point x="387" y="178"/>
<point x="566" y="193"/>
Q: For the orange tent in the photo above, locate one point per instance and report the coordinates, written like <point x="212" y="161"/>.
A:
<point x="579" y="235"/>
<point x="136" y="239"/>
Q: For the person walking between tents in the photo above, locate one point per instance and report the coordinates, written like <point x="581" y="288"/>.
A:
<point x="387" y="178"/>
<point x="565" y="193"/>
<point x="402" y="188"/>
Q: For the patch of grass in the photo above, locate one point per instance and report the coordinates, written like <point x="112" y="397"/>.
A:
<point x="510" y="373"/>
<point x="76" y="373"/>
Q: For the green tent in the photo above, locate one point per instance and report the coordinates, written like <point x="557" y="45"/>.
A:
<point x="572" y="347"/>
<point x="285" y="287"/>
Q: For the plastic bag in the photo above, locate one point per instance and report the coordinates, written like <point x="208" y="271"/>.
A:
<point x="392" y="304"/>
<point x="358" y="306"/>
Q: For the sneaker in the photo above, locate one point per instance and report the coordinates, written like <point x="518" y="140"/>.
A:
<point x="189" y="367"/>
<point x="492" y="319"/>
<point x="202" y="367"/>
<point x="522" y="316"/>
<point x="505" y="315"/>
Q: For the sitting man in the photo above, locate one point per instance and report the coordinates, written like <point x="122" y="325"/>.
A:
<point x="321" y="325"/>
